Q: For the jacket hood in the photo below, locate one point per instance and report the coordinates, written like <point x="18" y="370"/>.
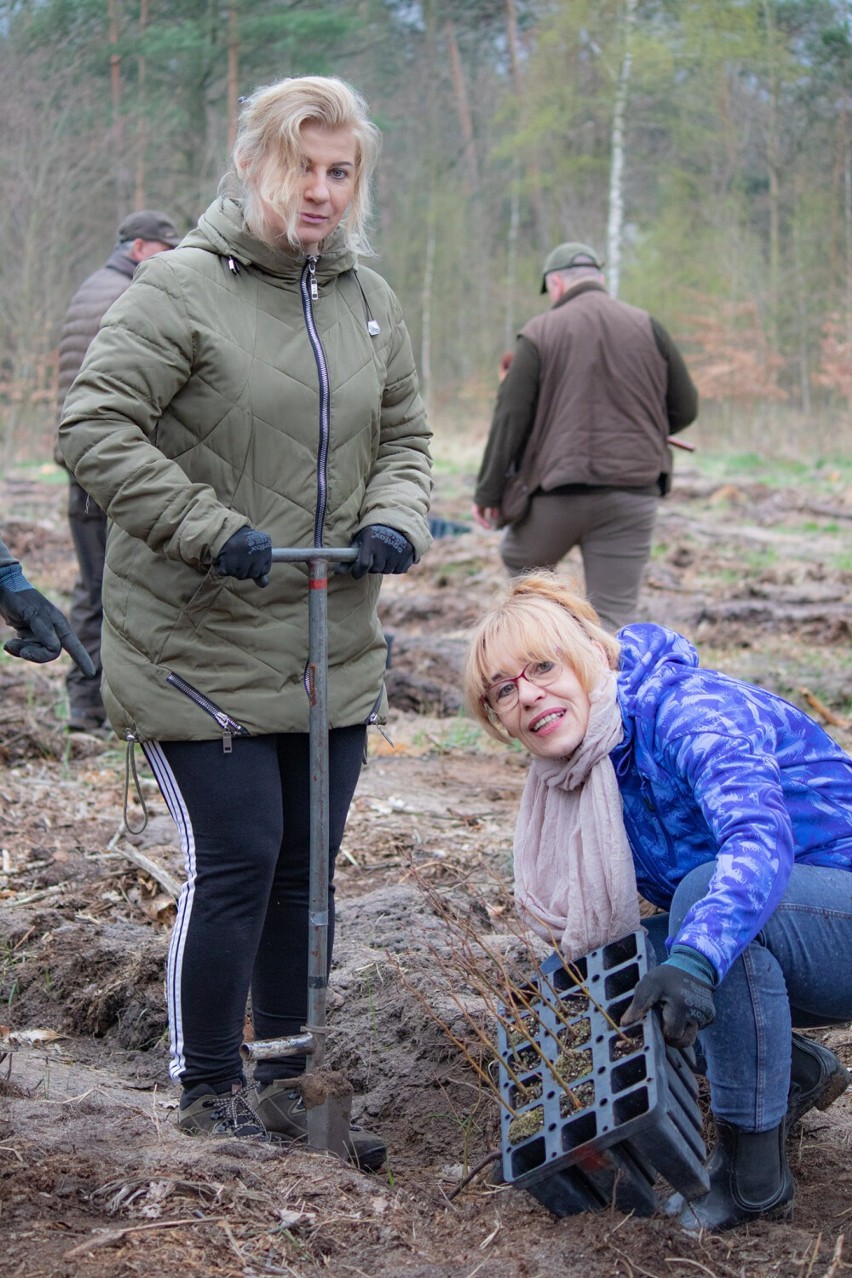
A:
<point x="222" y="230"/>
<point x="651" y="656"/>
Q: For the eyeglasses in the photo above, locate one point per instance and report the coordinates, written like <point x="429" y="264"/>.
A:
<point x="504" y="694"/>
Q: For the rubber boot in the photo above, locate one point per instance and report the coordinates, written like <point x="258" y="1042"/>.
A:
<point x="817" y="1078"/>
<point x="749" y="1180"/>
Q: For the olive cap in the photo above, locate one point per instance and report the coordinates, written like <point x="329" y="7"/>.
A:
<point x="564" y="256"/>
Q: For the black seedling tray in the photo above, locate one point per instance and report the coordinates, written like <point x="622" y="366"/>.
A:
<point x="630" y="1112"/>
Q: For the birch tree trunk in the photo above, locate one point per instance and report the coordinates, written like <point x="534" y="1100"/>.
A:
<point x="615" y="226"/>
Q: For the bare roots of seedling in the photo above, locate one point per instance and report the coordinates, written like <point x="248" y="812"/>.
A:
<point x="492" y="986"/>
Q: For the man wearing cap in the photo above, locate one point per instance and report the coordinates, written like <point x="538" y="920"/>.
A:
<point x="578" y="450"/>
<point x="140" y="236"/>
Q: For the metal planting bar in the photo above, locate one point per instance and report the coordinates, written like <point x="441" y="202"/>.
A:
<point x="329" y="1104"/>
<point x="269" y="1049"/>
<point x="312" y="1041"/>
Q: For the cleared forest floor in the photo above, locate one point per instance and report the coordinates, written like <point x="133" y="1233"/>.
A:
<point x="95" y="1179"/>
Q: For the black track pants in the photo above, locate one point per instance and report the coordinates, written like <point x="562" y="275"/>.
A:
<point x="242" y="919"/>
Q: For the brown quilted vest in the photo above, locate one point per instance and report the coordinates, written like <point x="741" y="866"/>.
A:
<point x="601" y="413"/>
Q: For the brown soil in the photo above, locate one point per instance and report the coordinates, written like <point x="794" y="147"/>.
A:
<point x="95" y="1179"/>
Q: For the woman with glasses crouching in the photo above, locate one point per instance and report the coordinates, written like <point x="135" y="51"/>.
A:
<point x="728" y="808"/>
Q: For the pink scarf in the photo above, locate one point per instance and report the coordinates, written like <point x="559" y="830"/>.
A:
<point x="574" y="878"/>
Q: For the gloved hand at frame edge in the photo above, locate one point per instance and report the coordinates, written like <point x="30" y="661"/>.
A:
<point x="43" y="631"/>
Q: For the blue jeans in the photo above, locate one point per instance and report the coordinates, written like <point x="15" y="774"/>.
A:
<point x="796" y="972"/>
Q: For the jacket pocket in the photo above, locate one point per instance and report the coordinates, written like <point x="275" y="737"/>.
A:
<point x="516" y="499"/>
<point x="230" y="727"/>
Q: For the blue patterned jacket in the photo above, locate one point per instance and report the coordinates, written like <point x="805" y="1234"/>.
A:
<point x="711" y="768"/>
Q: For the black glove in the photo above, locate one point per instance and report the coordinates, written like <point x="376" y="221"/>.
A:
<point x="381" y="549"/>
<point x="42" y="629"/>
<point x="685" y="1003"/>
<point x="248" y="554"/>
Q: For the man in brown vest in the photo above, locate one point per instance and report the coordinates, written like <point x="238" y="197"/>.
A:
<point x="140" y="236"/>
<point x="578" y="451"/>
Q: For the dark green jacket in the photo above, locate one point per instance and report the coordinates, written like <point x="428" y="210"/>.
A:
<point x="198" y="411"/>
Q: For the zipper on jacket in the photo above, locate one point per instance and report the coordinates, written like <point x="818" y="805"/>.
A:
<point x="230" y="727"/>
<point x="310" y="294"/>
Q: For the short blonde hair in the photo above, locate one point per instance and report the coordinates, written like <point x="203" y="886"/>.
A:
<point x="534" y="618"/>
<point x="267" y="153"/>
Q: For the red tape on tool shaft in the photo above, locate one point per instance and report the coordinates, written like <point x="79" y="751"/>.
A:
<point x="318" y="583"/>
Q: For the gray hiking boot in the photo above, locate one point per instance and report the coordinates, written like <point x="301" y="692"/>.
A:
<point x="281" y="1110"/>
<point x="210" y="1113"/>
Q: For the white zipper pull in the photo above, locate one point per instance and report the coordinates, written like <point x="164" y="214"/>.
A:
<point x="312" y="268"/>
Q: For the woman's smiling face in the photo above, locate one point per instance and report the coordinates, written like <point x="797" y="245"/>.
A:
<point x="551" y="721"/>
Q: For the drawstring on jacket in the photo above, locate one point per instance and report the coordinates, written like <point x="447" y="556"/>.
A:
<point x="130" y="767"/>
<point x="373" y="326"/>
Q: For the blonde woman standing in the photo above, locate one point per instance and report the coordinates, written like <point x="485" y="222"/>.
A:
<point x="252" y="387"/>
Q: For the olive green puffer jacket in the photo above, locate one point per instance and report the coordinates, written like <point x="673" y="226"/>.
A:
<point x="220" y="393"/>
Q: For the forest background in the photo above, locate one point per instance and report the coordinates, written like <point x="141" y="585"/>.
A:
<point x="704" y="146"/>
